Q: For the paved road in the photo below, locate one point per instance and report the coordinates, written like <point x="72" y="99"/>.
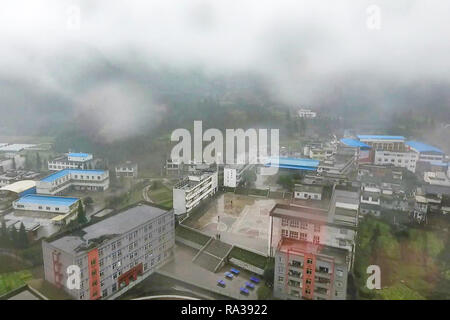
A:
<point x="145" y="194"/>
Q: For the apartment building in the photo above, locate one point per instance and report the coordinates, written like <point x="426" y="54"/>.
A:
<point x="71" y="160"/>
<point x="329" y="222"/>
<point x="127" y="170"/>
<point x="232" y="174"/>
<point x="194" y="188"/>
<point x="114" y="254"/>
<point x="304" y="270"/>
<point x="59" y="182"/>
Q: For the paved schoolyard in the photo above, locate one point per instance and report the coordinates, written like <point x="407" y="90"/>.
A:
<point x="183" y="269"/>
<point x="239" y="219"/>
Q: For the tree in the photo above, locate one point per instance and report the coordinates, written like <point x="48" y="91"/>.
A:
<point x="81" y="217"/>
<point x="14" y="235"/>
<point x="264" y="292"/>
<point x="112" y="178"/>
<point x="286" y="181"/>
<point x="28" y="164"/>
<point x="269" y="272"/>
<point x="249" y="177"/>
<point x="22" y="238"/>
<point x="38" y="162"/>
<point x="13" y="163"/>
<point x="88" y="201"/>
<point x="4" y="236"/>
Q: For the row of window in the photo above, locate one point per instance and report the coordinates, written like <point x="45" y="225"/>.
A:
<point x="296" y="223"/>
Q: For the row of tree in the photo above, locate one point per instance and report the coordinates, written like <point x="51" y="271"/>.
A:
<point x="13" y="237"/>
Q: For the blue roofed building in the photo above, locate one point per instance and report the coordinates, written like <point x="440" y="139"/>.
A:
<point x="390" y="150"/>
<point x="78" y="179"/>
<point x="427" y="153"/>
<point x="41" y="215"/>
<point x="72" y="160"/>
<point x="36" y="202"/>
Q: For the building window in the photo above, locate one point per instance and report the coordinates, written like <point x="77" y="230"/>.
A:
<point x="284" y="233"/>
<point x="317" y="228"/>
<point x="284" y="222"/>
<point x="309" y="261"/>
<point x="316" y="240"/>
<point x="304" y="225"/>
<point x="294" y="223"/>
<point x="303" y="236"/>
<point x="293" y="234"/>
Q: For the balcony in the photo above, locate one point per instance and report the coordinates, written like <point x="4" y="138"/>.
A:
<point x="294" y="284"/>
<point x="296" y="264"/>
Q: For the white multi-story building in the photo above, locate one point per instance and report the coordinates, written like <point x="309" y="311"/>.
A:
<point x="427" y="153"/>
<point x="306" y="113"/>
<point x="308" y="191"/>
<point x="406" y="160"/>
<point x="437" y="178"/>
<point x="127" y="170"/>
<point x="71" y="160"/>
<point x="114" y="254"/>
<point x="192" y="189"/>
<point x="59" y="182"/>
<point x="232" y="174"/>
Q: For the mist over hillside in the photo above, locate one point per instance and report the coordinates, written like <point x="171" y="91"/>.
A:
<point x="146" y="68"/>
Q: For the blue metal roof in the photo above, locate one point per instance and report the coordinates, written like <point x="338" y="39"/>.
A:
<point x="354" y="143"/>
<point x="423" y="147"/>
<point x="294" y="163"/>
<point x="381" y="137"/>
<point x="47" y="200"/>
<point x="65" y="172"/>
<point x="79" y="154"/>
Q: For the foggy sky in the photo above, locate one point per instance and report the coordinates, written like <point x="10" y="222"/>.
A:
<point x="299" y="48"/>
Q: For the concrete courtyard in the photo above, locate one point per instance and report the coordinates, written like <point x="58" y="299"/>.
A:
<point x="239" y="219"/>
